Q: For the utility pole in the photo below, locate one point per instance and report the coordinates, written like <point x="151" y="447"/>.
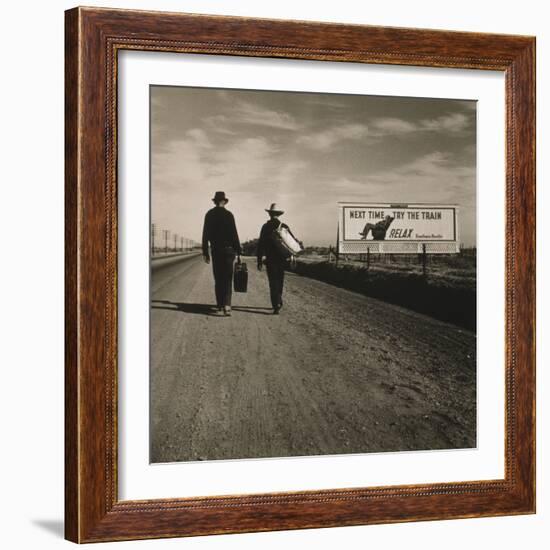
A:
<point x="153" y="234"/>
<point x="181" y="243"/>
<point x="424" y="258"/>
<point x="337" y="244"/>
<point x="175" y="241"/>
<point x="165" y="232"/>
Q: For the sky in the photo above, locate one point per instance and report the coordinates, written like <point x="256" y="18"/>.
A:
<point x="306" y="152"/>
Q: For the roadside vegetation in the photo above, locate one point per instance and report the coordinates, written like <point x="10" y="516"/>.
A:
<point x="447" y="291"/>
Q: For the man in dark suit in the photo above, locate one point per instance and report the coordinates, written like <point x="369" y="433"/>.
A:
<point x="275" y="261"/>
<point x="221" y="232"/>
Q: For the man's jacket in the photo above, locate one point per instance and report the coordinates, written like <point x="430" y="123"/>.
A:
<point x="220" y="231"/>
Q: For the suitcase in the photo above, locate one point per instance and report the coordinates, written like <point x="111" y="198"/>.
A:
<point x="240" y="277"/>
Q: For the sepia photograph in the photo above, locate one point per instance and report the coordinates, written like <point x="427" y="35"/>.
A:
<point x="312" y="274"/>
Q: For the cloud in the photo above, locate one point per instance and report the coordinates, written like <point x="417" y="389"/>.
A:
<point x="469" y="104"/>
<point x="186" y="173"/>
<point x="249" y="113"/>
<point x="449" y="124"/>
<point x="327" y="139"/>
<point x="219" y="124"/>
<point x="261" y="150"/>
<point x="241" y="163"/>
<point x="434" y="177"/>
<point x="178" y="161"/>
<point x="382" y="127"/>
<point x="387" y="126"/>
<point x="199" y="138"/>
<point x="249" y="165"/>
<point x="327" y="103"/>
<point x="245" y="113"/>
<point x="456" y="122"/>
<point x="188" y="165"/>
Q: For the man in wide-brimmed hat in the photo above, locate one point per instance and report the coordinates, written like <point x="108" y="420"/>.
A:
<point x="275" y="261"/>
<point x="221" y="232"/>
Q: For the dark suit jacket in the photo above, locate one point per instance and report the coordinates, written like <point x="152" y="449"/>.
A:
<point x="220" y="231"/>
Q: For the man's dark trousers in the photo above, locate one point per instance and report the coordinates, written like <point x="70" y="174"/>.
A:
<point x="276" y="278"/>
<point x="222" y="267"/>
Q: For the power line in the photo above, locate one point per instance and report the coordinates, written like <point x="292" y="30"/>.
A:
<point x="180" y="242"/>
<point x="165" y="232"/>
<point x="153" y="235"/>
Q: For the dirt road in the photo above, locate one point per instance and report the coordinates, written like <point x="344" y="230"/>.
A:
<point x="335" y="373"/>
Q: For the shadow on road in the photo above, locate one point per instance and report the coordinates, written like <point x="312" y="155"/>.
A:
<point x="204" y="309"/>
<point x="200" y="309"/>
<point x="253" y="309"/>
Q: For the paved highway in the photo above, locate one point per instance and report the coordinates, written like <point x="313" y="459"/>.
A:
<point x="335" y="373"/>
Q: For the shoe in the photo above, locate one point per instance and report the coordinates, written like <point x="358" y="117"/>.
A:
<point x="227" y="311"/>
<point x="276" y="310"/>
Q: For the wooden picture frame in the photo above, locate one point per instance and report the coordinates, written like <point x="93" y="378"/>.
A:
<point x="93" y="511"/>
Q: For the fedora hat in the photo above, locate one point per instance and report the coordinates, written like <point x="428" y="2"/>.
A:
<point x="274" y="210"/>
<point x="220" y="196"/>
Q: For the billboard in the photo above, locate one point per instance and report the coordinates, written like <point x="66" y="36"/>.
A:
<point x="397" y="228"/>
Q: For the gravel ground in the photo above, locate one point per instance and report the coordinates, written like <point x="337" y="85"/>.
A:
<point x="336" y="372"/>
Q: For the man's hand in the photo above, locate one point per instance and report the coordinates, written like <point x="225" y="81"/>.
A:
<point x="206" y="258"/>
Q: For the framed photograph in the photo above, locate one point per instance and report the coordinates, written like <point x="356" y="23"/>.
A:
<point x="300" y="275"/>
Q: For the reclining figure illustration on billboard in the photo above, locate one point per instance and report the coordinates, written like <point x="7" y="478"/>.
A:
<point x="378" y="229"/>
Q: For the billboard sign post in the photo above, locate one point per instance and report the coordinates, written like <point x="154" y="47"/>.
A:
<point x="390" y="228"/>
